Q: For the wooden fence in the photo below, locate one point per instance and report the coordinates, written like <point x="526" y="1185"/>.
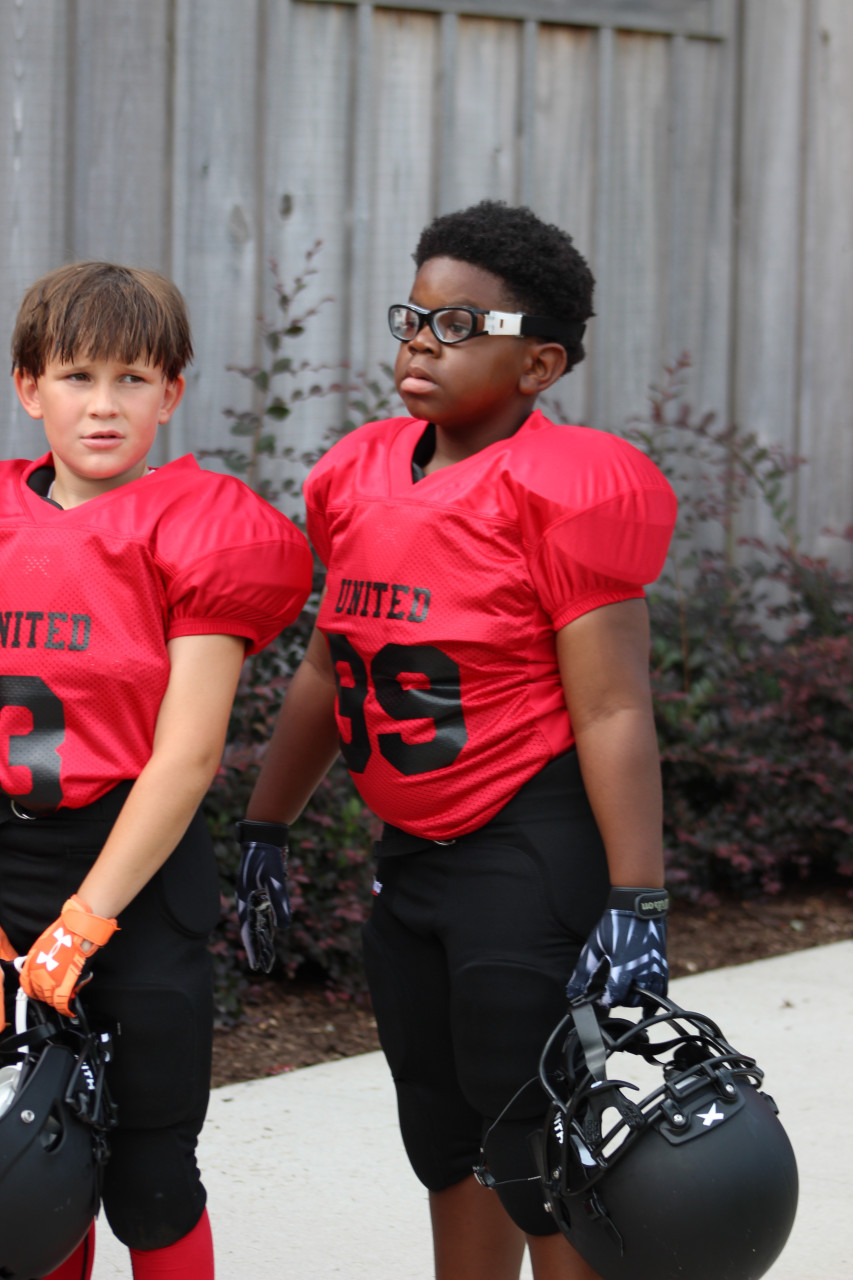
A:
<point x="700" y="152"/>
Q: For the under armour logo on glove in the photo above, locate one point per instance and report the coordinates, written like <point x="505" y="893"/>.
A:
<point x="54" y="968"/>
<point x="48" y="958"/>
<point x="626" y="950"/>
<point x="263" y="902"/>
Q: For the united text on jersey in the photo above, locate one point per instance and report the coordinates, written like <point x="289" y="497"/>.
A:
<point x="33" y="629"/>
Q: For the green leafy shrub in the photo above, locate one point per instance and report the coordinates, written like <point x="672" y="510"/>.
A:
<point x="329" y="867"/>
<point x="330" y="859"/>
<point x="752" y="670"/>
<point x="757" y="769"/>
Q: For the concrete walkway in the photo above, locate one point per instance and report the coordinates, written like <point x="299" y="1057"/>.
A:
<point x="308" y="1180"/>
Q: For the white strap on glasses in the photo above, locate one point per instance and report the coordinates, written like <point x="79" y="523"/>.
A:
<point x="506" y="323"/>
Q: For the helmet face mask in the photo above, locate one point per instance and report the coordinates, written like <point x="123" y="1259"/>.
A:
<point x="54" y="1114"/>
<point x="694" y="1177"/>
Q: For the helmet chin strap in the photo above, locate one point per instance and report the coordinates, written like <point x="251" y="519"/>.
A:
<point x="586" y="1021"/>
<point x="21" y="1004"/>
<point x="591" y="1041"/>
<point x="482" y="1172"/>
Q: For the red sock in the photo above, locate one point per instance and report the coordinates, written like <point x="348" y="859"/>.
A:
<point x="188" y="1259"/>
<point x="79" y="1265"/>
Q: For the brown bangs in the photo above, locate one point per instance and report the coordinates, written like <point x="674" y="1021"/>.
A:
<point x="100" y="311"/>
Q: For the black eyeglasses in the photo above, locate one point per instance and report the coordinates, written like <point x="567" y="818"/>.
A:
<point x="457" y="324"/>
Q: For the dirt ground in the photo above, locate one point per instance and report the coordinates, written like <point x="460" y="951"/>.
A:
<point x="290" y="1025"/>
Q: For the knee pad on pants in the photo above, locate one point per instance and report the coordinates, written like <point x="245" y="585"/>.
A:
<point x="441" y="1134"/>
<point x="502" y="1016"/>
<point x="510" y="1161"/>
<point x="502" y="1013"/>
<point x="440" y="1130"/>
<point x="152" y="1195"/>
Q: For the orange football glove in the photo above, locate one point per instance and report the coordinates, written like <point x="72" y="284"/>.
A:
<point x="7" y="952"/>
<point x="55" y="962"/>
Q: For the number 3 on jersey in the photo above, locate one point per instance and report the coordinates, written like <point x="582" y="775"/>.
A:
<point x="411" y="682"/>
<point x="32" y="729"/>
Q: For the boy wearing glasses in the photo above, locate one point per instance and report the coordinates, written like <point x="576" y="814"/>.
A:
<point x="481" y="660"/>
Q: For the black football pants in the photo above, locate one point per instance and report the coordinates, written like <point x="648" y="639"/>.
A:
<point x="151" y="987"/>
<point x="468" y="950"/>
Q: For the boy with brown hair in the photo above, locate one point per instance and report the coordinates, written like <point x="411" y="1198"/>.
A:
<point x="129" y="599"/>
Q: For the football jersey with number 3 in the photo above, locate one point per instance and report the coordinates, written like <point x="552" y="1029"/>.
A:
<point x="443" y="598"/>
<point x="90" y="597"/>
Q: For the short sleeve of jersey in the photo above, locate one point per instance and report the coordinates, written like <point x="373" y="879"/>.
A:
<point x="596" y="516"/>
<point x="241" y="567"/>
<point x="327" y="473"/>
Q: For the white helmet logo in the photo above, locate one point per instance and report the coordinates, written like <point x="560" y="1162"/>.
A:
<point x="710" y="1117"/>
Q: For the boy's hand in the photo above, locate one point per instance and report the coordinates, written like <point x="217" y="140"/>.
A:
<point x="263" y="903"/>
<point x="53" y="969"/>
<point x="7" y="951"/>
<point x="627" y="946"/>
<point x="8" y="955"/>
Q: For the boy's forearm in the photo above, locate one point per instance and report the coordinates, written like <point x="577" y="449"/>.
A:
<point x="621" y="772"/>
<point x="603" y="658"/>
<point x="154" y="818"/>
<point x="303" y="746"/>
<point x="188" y="740"/>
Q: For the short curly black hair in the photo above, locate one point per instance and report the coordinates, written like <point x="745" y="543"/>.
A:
<point x="543" y="272"/>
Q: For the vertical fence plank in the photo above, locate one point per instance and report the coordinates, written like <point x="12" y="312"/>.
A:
<point x="564" y="172"/>
<point x="33" y="159"/>
<point x="527" y="113"/>
<point x="404" y="129"/>
<point x="361" y="183"/>
<point x="677" y="302"/>
<point x="637" y="257"/>
<point x="600" y="344"/>
<point x="445" y="93"/>
<point x="698" y="222"/>
<point x="765" y="349"/>
<point x="121" y="124"/>
<point x="707" y="106"/>
<point x="215" y="219"/>
<point x="485" y="111"/>
<point x="309" y="94"/>
<point x="826" y="392"/>
<point x="310" y="164"/>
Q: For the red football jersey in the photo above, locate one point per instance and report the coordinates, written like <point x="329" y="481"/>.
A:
<point x="89" y="598"/>
<point x="443" y="598"/>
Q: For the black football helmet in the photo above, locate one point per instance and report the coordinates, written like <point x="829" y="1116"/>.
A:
<point x="55" y="1111"/>
<point x="695" y="1181"/>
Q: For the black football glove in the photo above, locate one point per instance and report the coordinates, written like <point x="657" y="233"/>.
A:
<point x="627" y="947"/>
<point x="263" y="903"/>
